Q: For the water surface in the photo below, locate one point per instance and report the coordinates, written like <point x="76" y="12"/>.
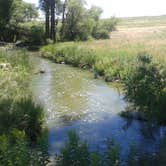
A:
<point x="74" y="100"/>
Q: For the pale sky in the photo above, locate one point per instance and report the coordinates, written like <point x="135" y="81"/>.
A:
<point x="127" y="8"/>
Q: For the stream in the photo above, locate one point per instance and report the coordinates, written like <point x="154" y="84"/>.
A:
<point x="74" y="100"/>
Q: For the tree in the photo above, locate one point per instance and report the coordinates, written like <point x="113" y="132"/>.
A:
<point x="76" y="26"/>
<point x="63" y="17"/>
<point x="95" y="12"/>
<point x="22" y="12"/>
<point x="5" y="15"/>
<point x="45" y="6"/>
<point x="51" y="8"/>
<point x="12" y="13"/>
<point x="5" y="11"/>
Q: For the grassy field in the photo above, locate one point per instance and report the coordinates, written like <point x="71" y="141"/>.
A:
<point x="135" y="35"/>
<point x="146" y="21"/>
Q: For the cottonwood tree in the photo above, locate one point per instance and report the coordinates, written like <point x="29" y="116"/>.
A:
<point x="52" y="9"/>
<point x="76" y="23"/>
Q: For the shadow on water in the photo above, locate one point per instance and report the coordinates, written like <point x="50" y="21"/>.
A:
<point x="73" y="100"/>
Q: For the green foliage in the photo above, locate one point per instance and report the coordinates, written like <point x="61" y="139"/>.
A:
<point x="36" y="35"/>
<point x="95" y="12"/>
<point x="29" y="118"/>
<point x="111" y="65"/>
<point x="145" y="87"/>
<point x="101" y="34"/>
<point x="5" y="12"/>
<point x="109" y="24"/>
<point x="20" y="118"/>
<point x="112" y="156"/>
<point x="71" y="54"/>
<point x="14" y="12"/>
<point x="76" y="25"/>
<point x="102" y="28"/>
<point x="136" y="158"/>
<point x="22" y="12"/>
<point x="81" y="23"/>
<point x="75" y="152"/>
<point x="14" y="150"/>
<point x="95" y="159"/>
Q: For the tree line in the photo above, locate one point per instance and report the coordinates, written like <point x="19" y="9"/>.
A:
<point x="71" y="20"/>
<point x="68" y="20"/>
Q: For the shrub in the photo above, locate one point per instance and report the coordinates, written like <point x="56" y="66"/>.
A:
<point x="36" y="35"/>
<point x="145" y="87"/>
<point x="101" y="34"/>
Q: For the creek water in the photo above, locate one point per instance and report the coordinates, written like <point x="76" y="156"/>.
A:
<point x="74" y="100"/>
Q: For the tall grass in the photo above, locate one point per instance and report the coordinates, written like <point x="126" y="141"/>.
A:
<point x="111" y="65"/>
<point x="21" y="119"/>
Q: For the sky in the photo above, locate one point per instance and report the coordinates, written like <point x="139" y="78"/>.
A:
<point x="127" y="8"/>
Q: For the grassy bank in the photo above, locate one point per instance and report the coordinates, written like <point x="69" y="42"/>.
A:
<point x="111" y="65"/>
<point x="114" y="57"/>
<point x="116" y="60"/>
<point x="21" y="120"/>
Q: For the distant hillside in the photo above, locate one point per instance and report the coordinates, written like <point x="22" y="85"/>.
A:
<point x="145" y="21"/>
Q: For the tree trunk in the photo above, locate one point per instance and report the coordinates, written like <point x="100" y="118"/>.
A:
<point x="64" y="9"/>
<point x="47" y="23"/>
<point x="53" y="20"/>
<point x="63" y="19"/>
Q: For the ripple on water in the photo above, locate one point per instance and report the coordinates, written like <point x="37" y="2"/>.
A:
<point x="73" y="100"/>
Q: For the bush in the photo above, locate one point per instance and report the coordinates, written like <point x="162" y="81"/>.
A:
<point x="145" y="87"/>
<point x="101" y="34"/>
<point x="36" y="35"/>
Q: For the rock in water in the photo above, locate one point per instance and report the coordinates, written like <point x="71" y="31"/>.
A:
<point x="42" y="71"/>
